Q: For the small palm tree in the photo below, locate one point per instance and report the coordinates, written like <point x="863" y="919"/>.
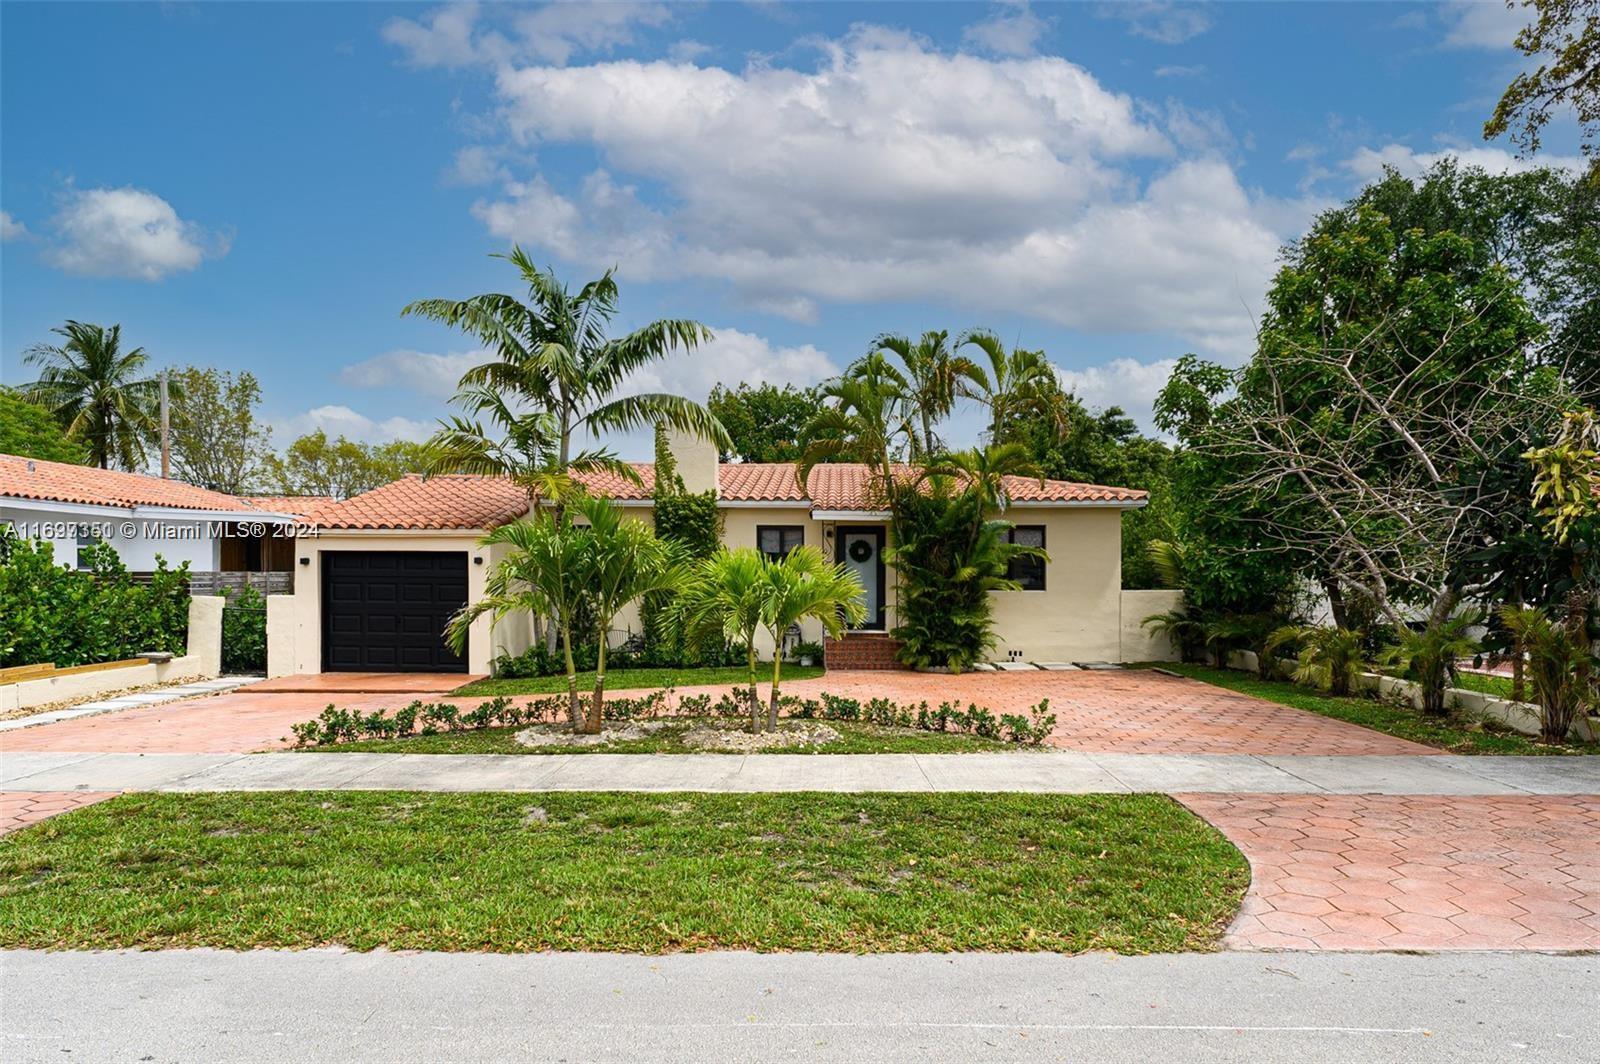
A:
<point x="985" y="469"/>
<point x="1329" y="657"/>
<point x="1245" y="631"/>
<point x="865" y="420"/>
<point x="725" y="597"/>
<point x="623" y="562"/>
<point x="1558" y="660"/>
<point x="1007" y="382"/>
<point x="97" y="392"/>
<point x="1430" y="657"/>
<point x="803" y="585"/>
<point x="546" y="574"/>
<point x="1184" y="626"/>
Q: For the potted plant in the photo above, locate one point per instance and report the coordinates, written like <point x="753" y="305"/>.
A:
<point x="808" y="653"/>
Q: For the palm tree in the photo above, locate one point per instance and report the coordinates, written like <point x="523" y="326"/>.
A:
<point x="1558" y="663"/>
<point x="1013" y="382"/>
<point x="725" y="597"/>
<point x="933" y="376"/>
<point x="1330" y="657"/>
<point x="546" y="575"/>
<point x="865" y="419"/>
<point x="803" y="585"/>
<point x="554" y="354"/>
<point x="985" y="469"/>
<point x="96" y="392"/>
<point x="624" y="562"/>
<point x="1430" y="657"/>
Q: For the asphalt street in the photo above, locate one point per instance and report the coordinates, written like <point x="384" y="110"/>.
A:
<point x="335" y="1006"/>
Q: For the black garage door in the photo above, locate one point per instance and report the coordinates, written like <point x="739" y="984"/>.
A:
<point x="385" y="611"/>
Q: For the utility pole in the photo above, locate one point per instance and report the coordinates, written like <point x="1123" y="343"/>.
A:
<point x="166" y="451"/>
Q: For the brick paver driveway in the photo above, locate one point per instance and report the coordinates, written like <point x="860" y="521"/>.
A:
<point x="1408" y="872"/>
<point x="1134" y="711"/>
<point x="18" y="809"/>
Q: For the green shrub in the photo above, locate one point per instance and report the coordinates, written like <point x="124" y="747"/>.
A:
<point x="49" y="613"/>
<point x="244" y="631"/>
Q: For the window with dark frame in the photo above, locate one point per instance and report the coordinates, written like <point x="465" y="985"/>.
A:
<point x="776" y="541"/>
<point x="1027" y="572"/>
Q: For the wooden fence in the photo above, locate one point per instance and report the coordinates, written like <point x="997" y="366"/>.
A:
<point x="209" y="583"/>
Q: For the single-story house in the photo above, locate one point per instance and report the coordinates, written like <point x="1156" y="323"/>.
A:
<point x="379" y="574"/>
<point x="141" y="517"/>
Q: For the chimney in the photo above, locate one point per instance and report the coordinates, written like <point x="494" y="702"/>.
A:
<point x="697" y="460"/>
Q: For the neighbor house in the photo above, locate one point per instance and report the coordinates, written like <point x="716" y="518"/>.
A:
<point x="379" y="574"/>
<point x="73" y="507"/>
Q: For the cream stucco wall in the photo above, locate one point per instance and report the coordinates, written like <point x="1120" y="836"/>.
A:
<point x="294" y="622"/>
<point x="1138" y="642"/>
<point x="1078" y="616"/>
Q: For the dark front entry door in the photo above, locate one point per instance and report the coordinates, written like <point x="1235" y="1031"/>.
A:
<point x="385" y="611"/>
<point x="860" y="548"/>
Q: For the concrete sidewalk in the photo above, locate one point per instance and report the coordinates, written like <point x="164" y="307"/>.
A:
<point x="329" y="1005"/>
<point x="1058" y="772"/>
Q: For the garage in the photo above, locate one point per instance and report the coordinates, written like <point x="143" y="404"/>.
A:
<point x="385" y="611"/>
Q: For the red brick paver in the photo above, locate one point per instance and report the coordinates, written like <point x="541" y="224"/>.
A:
<point x="414" y="683"/>
<point x="1367" y="872"/>
<point x="18" y="809"/>
<point x="1133" y="711"/>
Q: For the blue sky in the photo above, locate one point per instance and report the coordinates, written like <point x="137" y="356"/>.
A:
<point x="264" y="186"/>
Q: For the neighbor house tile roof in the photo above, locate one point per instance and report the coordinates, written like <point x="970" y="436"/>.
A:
<point x="479" y="502"/>
<point x="446" y="502"/>
<point x="293" y="505"/>
<point x="34" y="478"/>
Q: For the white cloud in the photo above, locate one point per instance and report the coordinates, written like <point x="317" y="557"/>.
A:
<point x="1482" y="23"/>
<point x="477" y="164"/>
<point x="733" y="356"/>
<point x="1177" y="71"/>
<point x="127" y="232"/>
<point x="1123" y="382"/>
<point x="893" y="171"/>
<point x="1013" y="29"/>
<point x="1368" y="163"/>
<point x="10" y="228"/>
<point x="688" y="51"/>
<point x="457" y="35"/>
<point x="1159" y="21"/>
<point x="339" y="420"/>
<point x="427" y="374"/>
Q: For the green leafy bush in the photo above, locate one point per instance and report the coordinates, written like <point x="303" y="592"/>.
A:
<point x="67" y="617"/>
<point x="244" y="632"/>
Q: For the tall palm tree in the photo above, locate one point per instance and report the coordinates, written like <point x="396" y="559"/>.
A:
<point x="985" y="469"/>
<point x="725" y="596"/>
<point x="553" y="353"/>
<point x="1007" y="382"/>
<point x="803" y="585"/>
<point x="934" y="377"/>
<point x="97" y="392"/>
<point x="864" y="419"/>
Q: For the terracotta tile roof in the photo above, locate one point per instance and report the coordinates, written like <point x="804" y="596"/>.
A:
<point x="450" y="501"/>
<point x="33" y="478"/>
<point x="760" y="482"/>
<point x="293" y="505"/>
<point x="472" y="502"/>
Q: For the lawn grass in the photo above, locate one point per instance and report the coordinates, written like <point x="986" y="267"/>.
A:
<point x="636" y="680"/>
<point x="1455" y="734"/>
<point x="854" y="738"/>
<point x="620" y="871"/>
<point x="1484" y="683"/>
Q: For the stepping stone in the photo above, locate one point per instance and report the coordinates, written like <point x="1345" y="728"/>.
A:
<point x="1015" y="666"/>
<point x="1098" y="666"/>
<point x="1057" y="666"/>
<point x="982" y="666"/>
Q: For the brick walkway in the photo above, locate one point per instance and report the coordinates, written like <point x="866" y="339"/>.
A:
<point x="18" y="809"/>
<point x="1386" y="872"/>
<point x="1134" y="712"/>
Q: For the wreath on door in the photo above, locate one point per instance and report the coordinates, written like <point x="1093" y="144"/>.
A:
<point x="860" y="551"/>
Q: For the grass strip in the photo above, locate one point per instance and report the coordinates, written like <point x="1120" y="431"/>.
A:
<point x="635" y="680"/>
<point x="622" y="871"/>
<point x="1454" y="733"/>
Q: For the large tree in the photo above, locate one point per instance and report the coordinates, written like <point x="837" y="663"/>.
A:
<point x="27" y="429"/>
<point x="216" y="440"/>
<point x="100" y="393"/>
<point x="1564" y="37"/>
<point x="316" y="465"/>
<point x="553" y="353"/>
<point x="765" y="423"/>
